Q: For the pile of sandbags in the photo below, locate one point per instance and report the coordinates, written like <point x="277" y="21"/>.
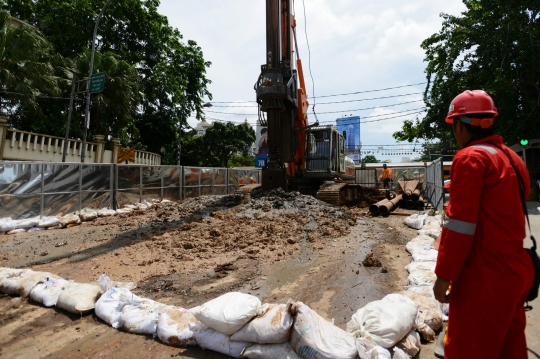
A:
<point x="10" y="226"/>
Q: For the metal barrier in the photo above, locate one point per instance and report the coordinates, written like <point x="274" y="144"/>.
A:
<point x="366" y="177"/>
<point x="45" y="189"/>
<point x="29" y="189"/>
<point x="434" y="191"/>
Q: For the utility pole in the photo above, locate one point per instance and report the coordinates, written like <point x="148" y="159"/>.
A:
<point x="69" y="118"/>
<point x="87" y="111"/>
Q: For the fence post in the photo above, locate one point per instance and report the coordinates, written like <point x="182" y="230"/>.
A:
<point x="3" y="133"/>
<point x="116" y="146"/>
<point x="100" y="148"/>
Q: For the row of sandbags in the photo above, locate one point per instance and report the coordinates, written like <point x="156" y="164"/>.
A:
<point x="11" y="226"/>
<point x="422" y="275"/>
<point x="235" y="324"/>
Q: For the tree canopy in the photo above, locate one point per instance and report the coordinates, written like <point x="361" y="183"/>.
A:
<point x="225" y="139"/>
<point x="369" y="159"/>
<point x="493" y="46"/>
<point x="171" y="72"/>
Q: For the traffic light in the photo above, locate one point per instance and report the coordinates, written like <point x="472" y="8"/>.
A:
<point x="524" y="142"/>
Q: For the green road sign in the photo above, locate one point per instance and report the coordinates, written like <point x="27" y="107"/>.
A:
<point x="97" y="83"/>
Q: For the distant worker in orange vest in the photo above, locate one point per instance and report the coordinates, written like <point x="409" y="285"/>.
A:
<point x="251" y="180"/>
<point x="386" y="176"/>
<point x="242" y="181"/>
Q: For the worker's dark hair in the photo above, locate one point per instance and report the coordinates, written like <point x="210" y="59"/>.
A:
<point x="477" y="132"/>
<point x="263" y="130"/>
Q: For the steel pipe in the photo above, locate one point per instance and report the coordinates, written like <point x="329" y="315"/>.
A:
<point x="415" y="196"/>
<point x="407" y="195"/>
<point x="388" y="206"/>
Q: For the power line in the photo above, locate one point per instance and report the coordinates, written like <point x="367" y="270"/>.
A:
<point x="346" y="101"/>
<point x="384" y="89"/>
<point x="386" y="114"/>
<point x="340" y="111"/>
<point x="40" y="96"/>
<point x="309" y="61"/>
<point x="343" y="94"/>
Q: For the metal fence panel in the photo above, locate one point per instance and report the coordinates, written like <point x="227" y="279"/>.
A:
<point x="20" y="178"/>
<point x="366" y="177"/>
<point x="59" y="204"/>
<point x="434" y="191"/>
<point x="151" y="177"/>
<point x="61" y="178"/>
<point x="30" y="189"/>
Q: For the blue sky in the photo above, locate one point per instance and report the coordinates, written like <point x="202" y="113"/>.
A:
<point x="355" y="46"/>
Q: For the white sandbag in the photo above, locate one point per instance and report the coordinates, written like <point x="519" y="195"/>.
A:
<point x="105" y="283"/>
<point x="385" y="321"/>
<point x="130" y="206"/>
<point x="400" y="354"/>
<point x="36" y="229"/>
<point x="79" y="298"/>
<point x="228" y="312"/>
<point x="430" y="317"/>
<point x="70" y="219"/>
<point x="272" y="325"/>
<point x="47" y="222"/>
<point x="124" y="210"/>
<point x="366" y="349"/>
<point x="27" y="223"/>
<point x="425" y="255"/>
<point x="209" y="338"/>
<point x="270" y="351"/>
<point x="88" y="215"/>
<point x="17" y="231"/>
<point x="314" y="337"/>
<point x="421" y="249"/>
<point x="411" y="344"/>
<point x="415" y="221"/>
<point x="434" y="222"/>
<point x="47" y="293"/>
<point x="428" y="265"/>
<point x="9" y="279"/>
<point x="173" y="327"/>
<point x="422" y="277"/>
<point x="141" y="316"/>
<point x="7" y="224"/>
<point x="383" y="353"/>
<point x="109" y="306"/>
<point x="142" y="207"/>
<point x="423" y="289"/>
<point x="23" y="282"/>
<point x="433" y="233"/>
<point x="105" y="212"/>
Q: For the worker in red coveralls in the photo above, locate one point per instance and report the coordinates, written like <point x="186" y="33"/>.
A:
<point x="481" y="251"/>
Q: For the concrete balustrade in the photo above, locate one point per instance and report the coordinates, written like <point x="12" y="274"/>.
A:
<point x="18" y="145"/>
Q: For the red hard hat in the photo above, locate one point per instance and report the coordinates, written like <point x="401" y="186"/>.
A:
<point x="469" y="103"/>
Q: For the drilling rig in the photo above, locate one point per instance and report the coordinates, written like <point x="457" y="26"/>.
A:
<point x="302" y="157"/>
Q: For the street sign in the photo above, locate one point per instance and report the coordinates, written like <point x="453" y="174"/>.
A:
<point x="97" y="83"/>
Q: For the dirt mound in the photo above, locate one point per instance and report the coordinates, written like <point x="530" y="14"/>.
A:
<point x="371" y="261"/>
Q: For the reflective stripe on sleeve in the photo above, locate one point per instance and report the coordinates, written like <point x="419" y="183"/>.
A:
<point x="460" y="226"/>
<point x="487" y="148"/>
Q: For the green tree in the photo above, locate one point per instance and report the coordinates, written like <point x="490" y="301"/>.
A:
<point x="225" y="139"/>
<point x="369" y="159"/>
<point x="172" y="73"/>
<point x="494" y="46"/>
<point x="244" y="160"/>
<point x="25" y="70"/>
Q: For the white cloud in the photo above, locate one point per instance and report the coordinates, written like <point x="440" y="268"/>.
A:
<point x="355" y="46"/>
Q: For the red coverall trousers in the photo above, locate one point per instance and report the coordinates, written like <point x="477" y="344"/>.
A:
<point x="481" y="253"/>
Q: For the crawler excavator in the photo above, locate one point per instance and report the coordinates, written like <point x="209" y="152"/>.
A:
<point x="301" y="157"/>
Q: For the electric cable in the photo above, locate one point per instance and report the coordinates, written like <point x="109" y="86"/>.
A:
<point x="340" y="111"/>
<point x="309" y="62"/>
<point x="40" y="96"/>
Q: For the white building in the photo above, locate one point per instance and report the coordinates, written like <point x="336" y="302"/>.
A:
<point x="201" y="128"/>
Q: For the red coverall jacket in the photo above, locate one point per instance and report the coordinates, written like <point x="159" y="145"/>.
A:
<point x="482" y="254"/>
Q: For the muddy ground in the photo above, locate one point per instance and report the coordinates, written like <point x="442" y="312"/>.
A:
<point x="278" y="247"/>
